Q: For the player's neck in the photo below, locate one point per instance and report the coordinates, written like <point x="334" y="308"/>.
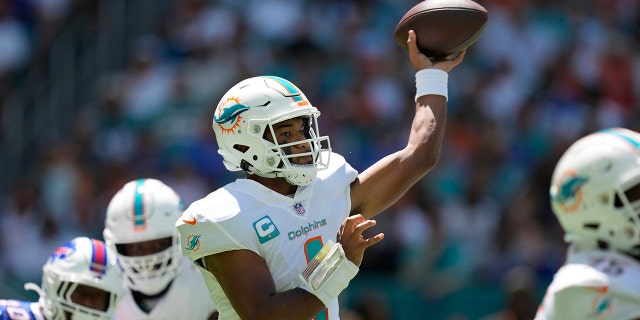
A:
<point x="279" y="185"/>
<point x="145" y="301"/>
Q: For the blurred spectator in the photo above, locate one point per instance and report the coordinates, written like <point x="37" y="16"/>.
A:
<point x="16" y="48"/>
<point x="519" y="285"/>
<point x="373" y="307"/>
<point x="147" y="82"/>
<point x="28" y="234"/>
<point x="60" y="178"/>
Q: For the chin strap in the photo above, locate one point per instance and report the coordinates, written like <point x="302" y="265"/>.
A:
<point x="34" y="287"/>
<point x="249" y="169"/>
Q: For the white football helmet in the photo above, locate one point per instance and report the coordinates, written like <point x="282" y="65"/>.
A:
<point x="81" y="261"/>
<point x="252" y="107"/>
<point x="143" y="210"/>
<point x="595" y="191"/>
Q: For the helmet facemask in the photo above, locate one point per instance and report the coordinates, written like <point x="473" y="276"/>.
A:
<point x="627" y="203"/>
<point x="281" y="161"/>
<point x="59" y="304"/>
<point x="150" y="273"/>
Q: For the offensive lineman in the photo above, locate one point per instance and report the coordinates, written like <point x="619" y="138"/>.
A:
<point x="595" y="194"/>
<point x="160" y="283"/>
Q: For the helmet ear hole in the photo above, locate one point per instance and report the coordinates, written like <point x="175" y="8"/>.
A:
<point x="602" y="244"/>
<point x="241" y="148"/>
<point x="592" y="226"/>
<point x="633" y="194"/>
<point x="617" y="202"/>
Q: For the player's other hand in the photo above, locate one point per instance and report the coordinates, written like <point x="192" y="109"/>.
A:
<point x="351" y="239"/>
<point x="420" y="61"/>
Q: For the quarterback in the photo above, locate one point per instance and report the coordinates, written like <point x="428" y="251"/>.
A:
<point x="283" y="242"/>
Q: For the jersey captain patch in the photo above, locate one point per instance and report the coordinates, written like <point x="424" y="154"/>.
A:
<point x="265" y="229"/>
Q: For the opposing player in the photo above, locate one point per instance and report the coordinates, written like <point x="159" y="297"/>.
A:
<point x="79" y="281"/>
<point x="255" y="239"/>
<point x="595" y="194"/>
<point x="160" y="283"/>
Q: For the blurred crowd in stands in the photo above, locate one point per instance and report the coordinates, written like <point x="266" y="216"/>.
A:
<point x="476" y="239"/>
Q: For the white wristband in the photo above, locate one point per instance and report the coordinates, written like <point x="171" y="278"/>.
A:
<point x="328" y="273"/>
<point x="431" y="81"/>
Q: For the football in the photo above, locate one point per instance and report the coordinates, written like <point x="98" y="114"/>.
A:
<point x="443" y="27"/>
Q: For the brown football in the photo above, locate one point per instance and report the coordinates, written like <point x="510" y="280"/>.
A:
<point x="443" y="27"/>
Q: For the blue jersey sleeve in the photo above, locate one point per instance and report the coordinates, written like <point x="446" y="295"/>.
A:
<point x="17" y="310"/>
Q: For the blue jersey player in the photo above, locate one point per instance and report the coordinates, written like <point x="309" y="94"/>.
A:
<point x="79" y="281"/>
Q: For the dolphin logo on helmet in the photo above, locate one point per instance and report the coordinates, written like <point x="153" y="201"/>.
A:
<point x="229" y="114"/>
<point x="569" y="191"/>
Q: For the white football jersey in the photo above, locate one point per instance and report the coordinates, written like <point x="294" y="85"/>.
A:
<point x="286" y="231"/>
<point x="594" y="284"/>
<point x="186" y="298"/>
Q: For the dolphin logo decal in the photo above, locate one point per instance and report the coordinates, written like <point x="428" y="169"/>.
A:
<point x="230" y="114"/>
<point x="569" y="189"/>
<point x="228" y="117"/>
<point x="194" y="242"/>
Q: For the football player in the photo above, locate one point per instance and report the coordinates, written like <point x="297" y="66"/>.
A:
<point x="160" y="283"/>
<point x="595" y="194"/>
<point x="79" y="281"/>
<point x="266" y="244"/>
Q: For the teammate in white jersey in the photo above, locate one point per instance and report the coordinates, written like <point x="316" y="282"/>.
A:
<point x="255" y="239"/>
<point x="79" y="281"/>
<point x="160" y="282"/>
<point x="595" y="194"/>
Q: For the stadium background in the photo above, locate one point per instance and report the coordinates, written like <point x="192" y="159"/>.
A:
<point x="96" y="93"/>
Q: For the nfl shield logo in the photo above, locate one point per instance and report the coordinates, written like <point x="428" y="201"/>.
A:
<point x="299" y="208"/>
